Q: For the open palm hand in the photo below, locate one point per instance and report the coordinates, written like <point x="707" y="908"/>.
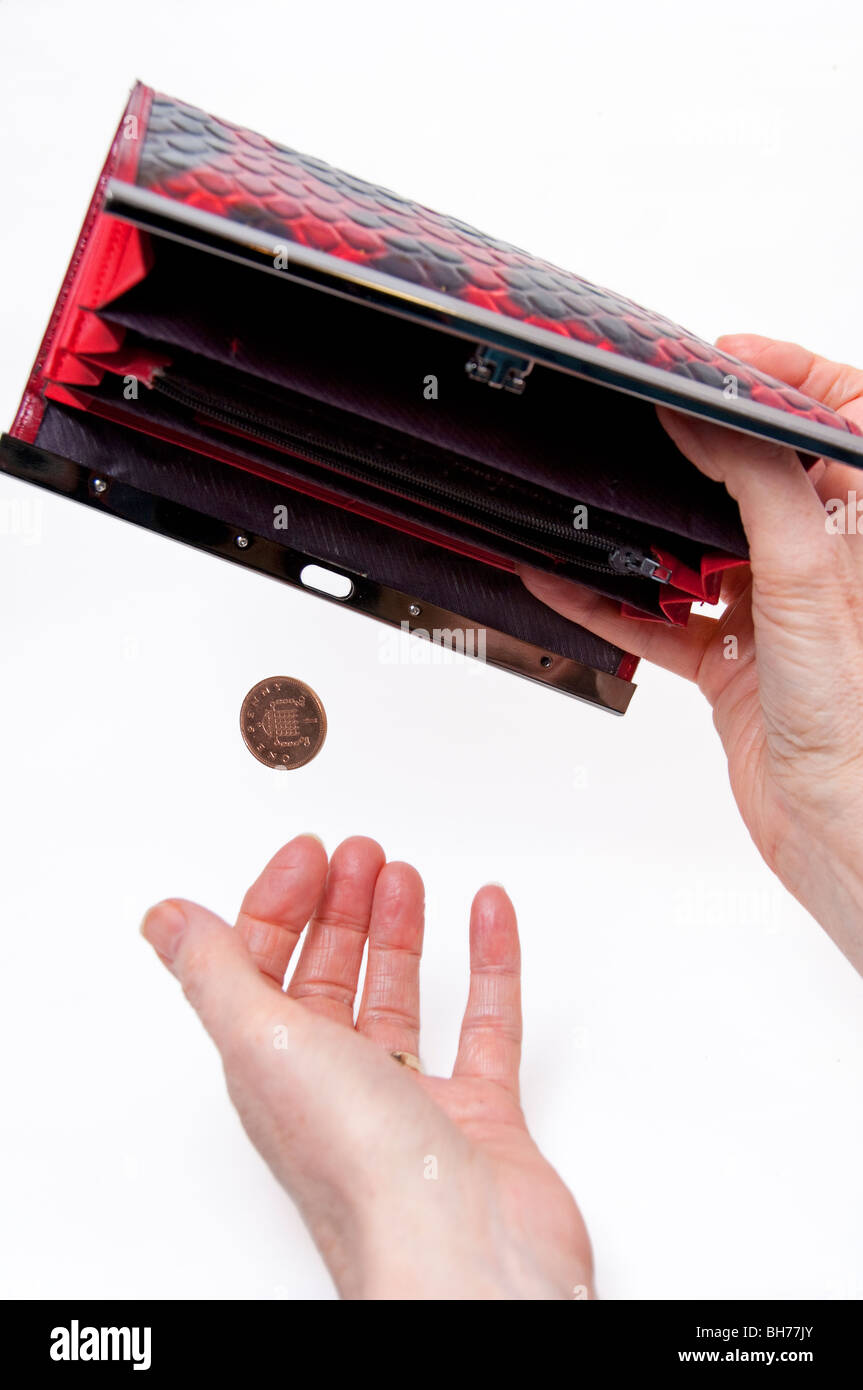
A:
<point x="383" y="1162"/>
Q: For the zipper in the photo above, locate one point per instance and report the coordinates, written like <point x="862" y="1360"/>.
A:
<point x="527" y="514"/>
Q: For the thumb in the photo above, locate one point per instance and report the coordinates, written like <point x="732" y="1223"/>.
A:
<point x="835" y="384"/>
<point x="213" y="965"/>
<point x="312" y="1105"/>
<point x="789" y="546"/>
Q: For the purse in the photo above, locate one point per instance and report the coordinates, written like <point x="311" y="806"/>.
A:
<point x="285" y="366"/>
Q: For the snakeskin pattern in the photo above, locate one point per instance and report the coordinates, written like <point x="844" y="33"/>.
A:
<point x="220" y="168"/>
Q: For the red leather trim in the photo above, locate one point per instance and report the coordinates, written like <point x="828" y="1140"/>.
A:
<point x="94" y="335"/>
<point x="117" y="256"/>
<point x="674" y="607"/>
<point x="65" y="395"/>
<point x="139" y="362"/>
<point x="122" y="162"/>
<point x="720" y="563"/>
<point x="705" y="584"/>
<point x="628" y="666"/>
<point x="686" y="587"/>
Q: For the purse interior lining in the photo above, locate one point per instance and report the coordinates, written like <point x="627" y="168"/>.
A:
<point x="484" y="595"/>
<point x="581" y="440"/>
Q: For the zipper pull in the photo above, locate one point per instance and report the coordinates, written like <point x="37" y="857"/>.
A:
<point x="633" y="562"/>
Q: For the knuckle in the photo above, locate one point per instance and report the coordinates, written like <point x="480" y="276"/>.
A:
<point x="341" y="919"/>
<point x="391" y="1014"/>
<point x="496" y="1026"/>
<point x="323" y="989"/>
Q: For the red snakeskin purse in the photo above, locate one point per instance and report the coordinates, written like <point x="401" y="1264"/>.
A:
<point x="259" y="355"/>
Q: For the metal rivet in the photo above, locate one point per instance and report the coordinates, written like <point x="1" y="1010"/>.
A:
<point x="99" y="485"/>
<point x="414" y="610"/>
<point x="241" y="541"/>
<point x="545" y="661"/>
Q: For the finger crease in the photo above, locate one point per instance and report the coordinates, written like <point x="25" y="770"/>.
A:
<point x="323" y="989"/>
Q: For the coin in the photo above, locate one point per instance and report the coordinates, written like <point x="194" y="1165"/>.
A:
<point x="283" y="722"/>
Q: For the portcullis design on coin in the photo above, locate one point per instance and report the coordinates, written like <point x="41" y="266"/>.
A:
<point x="283" y="722"/>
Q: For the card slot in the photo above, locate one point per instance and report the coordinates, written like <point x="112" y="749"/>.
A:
<point x="564" y="433"/>
<point x="172" y="474"/>
<point x="156" y="414"/>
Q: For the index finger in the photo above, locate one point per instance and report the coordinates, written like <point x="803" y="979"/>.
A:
<point x="834" y="384"/>
<point x="280" y="902"/>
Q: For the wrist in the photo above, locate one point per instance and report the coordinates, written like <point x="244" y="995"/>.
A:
<point x="827" y="879"/>
<point x="462" y="1256"/>
<point x="441" y="1272"/>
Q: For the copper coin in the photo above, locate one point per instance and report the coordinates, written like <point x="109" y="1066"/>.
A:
<point x="283" y="722"/>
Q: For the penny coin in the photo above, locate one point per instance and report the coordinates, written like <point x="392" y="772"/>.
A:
<point x="283" y="722"/>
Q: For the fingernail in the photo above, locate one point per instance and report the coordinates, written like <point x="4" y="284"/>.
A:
<point x="163" y="926"/>
<point x="310" y="835"/>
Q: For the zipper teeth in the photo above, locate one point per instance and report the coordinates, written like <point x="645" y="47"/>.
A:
<point x="267" y="432"/>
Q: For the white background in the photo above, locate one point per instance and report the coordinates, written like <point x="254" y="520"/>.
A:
<point x="693" y="1061"/>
